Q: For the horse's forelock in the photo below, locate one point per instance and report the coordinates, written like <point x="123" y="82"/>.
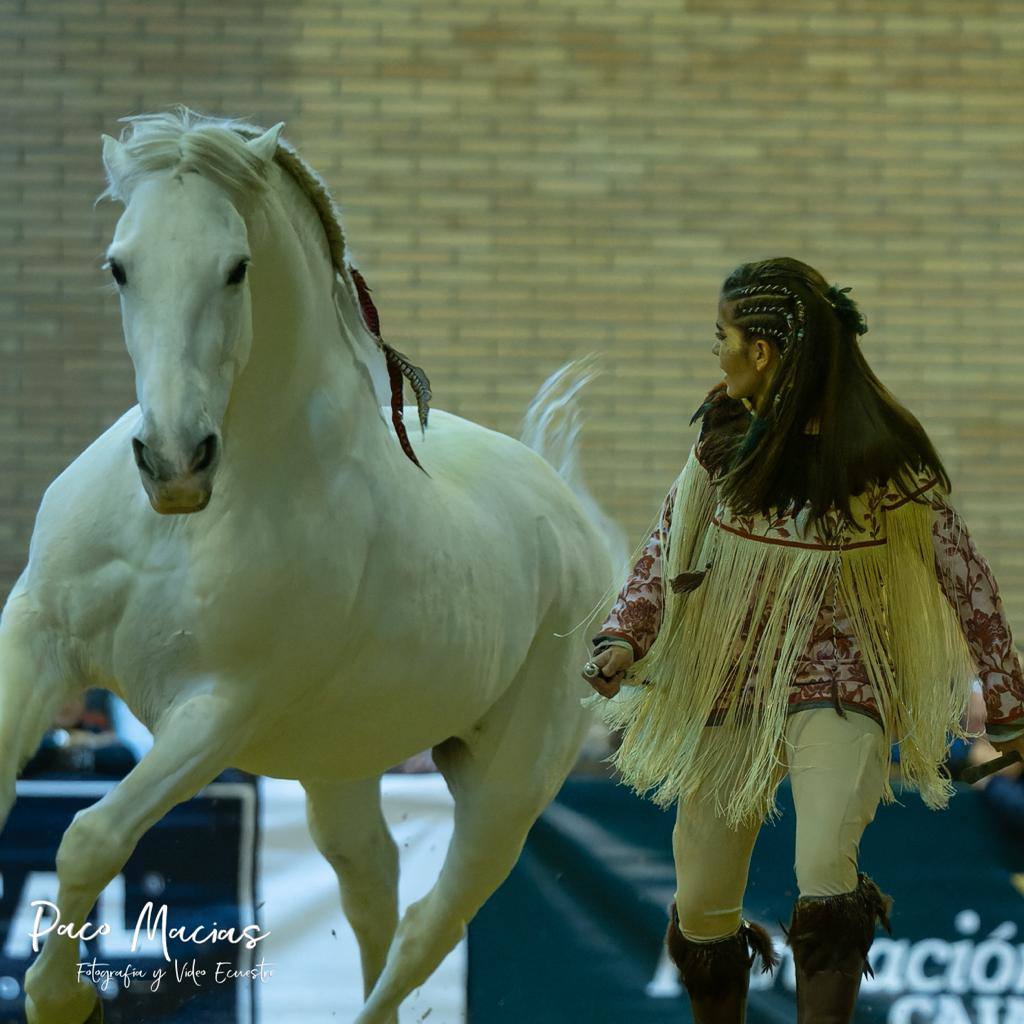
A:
<point x="184" y="140"/>
<point x="181" y="140"/>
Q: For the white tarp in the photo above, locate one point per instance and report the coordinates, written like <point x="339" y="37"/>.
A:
<point x="316" y="973"/>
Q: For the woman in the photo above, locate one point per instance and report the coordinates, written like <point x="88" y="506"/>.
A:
<point x="825" y="601"/>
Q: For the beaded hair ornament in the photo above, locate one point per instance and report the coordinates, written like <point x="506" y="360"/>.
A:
<point x="778" y="302"/>
<point x="795" y="319"/>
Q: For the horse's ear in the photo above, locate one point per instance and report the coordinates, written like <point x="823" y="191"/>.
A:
<point x="266" y="145"/>
<point x="115" y="160"/>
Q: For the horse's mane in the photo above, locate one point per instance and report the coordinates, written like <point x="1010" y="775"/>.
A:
<point x="183" y="140"/>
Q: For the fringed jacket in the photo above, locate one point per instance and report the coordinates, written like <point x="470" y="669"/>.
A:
<point x="894" y="622"/>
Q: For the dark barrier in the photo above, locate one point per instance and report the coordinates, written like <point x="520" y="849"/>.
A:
<point x="198" y="862"/>
<point x="575" y="934"/>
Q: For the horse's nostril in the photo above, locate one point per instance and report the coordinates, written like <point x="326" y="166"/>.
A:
<point x="205" y="452"/>
<point x="141" y="453"/>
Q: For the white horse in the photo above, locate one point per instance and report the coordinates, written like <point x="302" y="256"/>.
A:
<point x="288" y="592"/>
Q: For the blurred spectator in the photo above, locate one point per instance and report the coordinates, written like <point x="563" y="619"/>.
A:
<point x="598" y="746"/>
<point x="1003" y="791"/>
<point x="960" y="752"/>
<point x="82" y="740"/>
<point x="973" y="723"/>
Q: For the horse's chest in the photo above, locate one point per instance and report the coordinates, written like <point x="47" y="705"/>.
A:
<point x="234" y="608"/>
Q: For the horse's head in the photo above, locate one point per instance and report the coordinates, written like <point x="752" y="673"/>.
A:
<point x="179" y="257"/>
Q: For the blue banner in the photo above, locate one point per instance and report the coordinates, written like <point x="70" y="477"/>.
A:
<point x="576" y="932"/>
<point x="152" y="947"/>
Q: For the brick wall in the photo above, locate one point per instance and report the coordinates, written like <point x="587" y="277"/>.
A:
<point x="524" y="182"/>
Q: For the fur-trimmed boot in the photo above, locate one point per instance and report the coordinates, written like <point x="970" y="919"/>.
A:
<point x="716" y="975"/>
<point x="830" y="937"/>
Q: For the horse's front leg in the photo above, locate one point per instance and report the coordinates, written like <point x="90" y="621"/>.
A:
<point x="195" y="741"/>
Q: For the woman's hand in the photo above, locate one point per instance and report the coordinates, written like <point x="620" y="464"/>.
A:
<point x="612" y="663"/>
<point x="1006" y="747"/>
<point x="982" y="750"/>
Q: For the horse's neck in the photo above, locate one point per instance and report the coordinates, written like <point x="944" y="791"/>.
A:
<point x="303" y="387"/>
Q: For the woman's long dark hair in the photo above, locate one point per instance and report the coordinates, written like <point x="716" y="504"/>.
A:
<point x="767" y="461"/>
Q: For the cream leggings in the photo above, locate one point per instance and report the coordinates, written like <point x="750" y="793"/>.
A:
<point x="836" y="767"/>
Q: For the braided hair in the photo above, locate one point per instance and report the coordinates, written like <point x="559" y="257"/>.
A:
<point x="865" y="435"/>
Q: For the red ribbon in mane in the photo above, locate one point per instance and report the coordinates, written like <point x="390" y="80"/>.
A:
<point x="372" y="320"/>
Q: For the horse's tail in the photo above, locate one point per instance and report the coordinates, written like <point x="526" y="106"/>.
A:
<point x="551" y="426"/>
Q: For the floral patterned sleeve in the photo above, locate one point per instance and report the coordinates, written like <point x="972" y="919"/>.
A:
<point x="971" y="589"/>
<point x="636" y="614"/>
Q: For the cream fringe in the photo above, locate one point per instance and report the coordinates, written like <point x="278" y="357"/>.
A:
<point x="909" y="636"/>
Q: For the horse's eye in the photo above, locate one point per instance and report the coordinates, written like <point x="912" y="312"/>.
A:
<point x="118" y="272"/>
<point x="237" y="276"/>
